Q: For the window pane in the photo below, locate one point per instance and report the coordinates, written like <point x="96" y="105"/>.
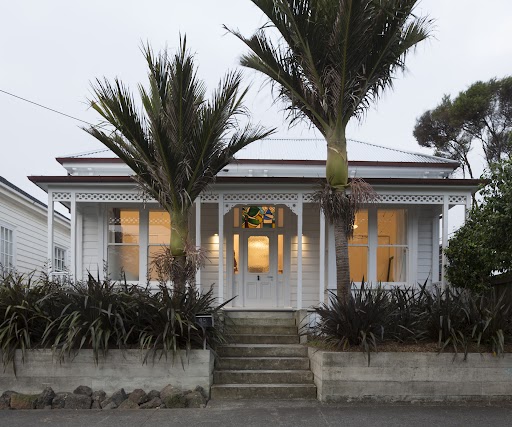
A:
<point x="123" y="226"/>
<point x="358" y="262"/>
<point x="391" y="264"/>
<point x="258" y="254"/>
<point x="392" y="226"/>
<point x="280" y="254"/>
<point x="236" y="253"/>
<point x="159" y="227"/>
<point x="153" y="251"/>
<point x="123" y="259"/>
<point x="259" y="217"/>
<point x="360" y="229"/>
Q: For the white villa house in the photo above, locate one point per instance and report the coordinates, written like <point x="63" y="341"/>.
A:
<point x="24" y="233"/>
<point x="268" y="244"/>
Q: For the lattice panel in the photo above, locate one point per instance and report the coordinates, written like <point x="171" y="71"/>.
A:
<point x="261" y="197"/>
<point x="307" y="197"/>
<point x="209" y="197"/>
<point x="61" y="197"/>
<point x="457" y="200"/>
<point x="110" y="197"/>
<point x="419" y="199"/>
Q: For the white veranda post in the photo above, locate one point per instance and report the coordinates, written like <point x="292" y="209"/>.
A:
<point x="198" y="240"/>
<point x="50" y="214"/>
<point x="299" y="252"/>
<point x="221" y="248"/>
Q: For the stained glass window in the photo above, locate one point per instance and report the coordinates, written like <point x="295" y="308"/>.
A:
<point x="259" y="217"/>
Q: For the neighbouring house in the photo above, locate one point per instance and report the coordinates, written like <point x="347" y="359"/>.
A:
<point x="24" y="234"/>
<point x="268" y="243"/>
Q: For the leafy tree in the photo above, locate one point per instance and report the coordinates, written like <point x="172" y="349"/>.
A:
<point x="333" y="59"/>
<point x="179" y="140"/>
<point x="482" y="248"/>
<point x="482" y="114"/>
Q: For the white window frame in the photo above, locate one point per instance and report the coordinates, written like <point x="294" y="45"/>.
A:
<point x="64" y="267"/>
<point x="373" y="245"/>
<point x="12" y="267"/>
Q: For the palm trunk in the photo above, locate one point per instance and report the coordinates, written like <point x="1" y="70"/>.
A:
<point x="336" y="172"/>
<point x="179" y="237"/>
<point x="342" y="262"/>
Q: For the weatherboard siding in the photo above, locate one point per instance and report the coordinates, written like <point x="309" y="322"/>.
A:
<point x="30" y="233"/>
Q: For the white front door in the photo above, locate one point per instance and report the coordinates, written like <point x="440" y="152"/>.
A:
<point x="260" y="268"/>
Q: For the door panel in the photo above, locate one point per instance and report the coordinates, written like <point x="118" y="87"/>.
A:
<point x="260" y="269"/>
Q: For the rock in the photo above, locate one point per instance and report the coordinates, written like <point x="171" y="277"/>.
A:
<point x="83" y="389"/>
<point x="138" y="396"/>
<point x="23" y="401"/>
<point x="45" y="398"/>
<point x="194" y="399"/>
<point x="7" y="395"/>
<point x="128" y="404"/>
<point x="4" y="403"/>
<point x="77" y="401"/>
<point x="98" y="397"/>
<point x="152" y="394"/>
<point x="110" y="405"/>
<point x="175" y="401"/>
<point x="118" y="397"/>
<point x="169" y="391"/>
<point x="202" y="391"/>
<point x="152" y="404"/>
<point x="59" y="400"/>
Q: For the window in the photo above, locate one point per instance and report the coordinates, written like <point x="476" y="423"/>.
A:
<point x="391" y="245"/>
<point x="358" y="248"/>
<point x="59" y="259"/>
<point x="378" y="250"/>
<point x="123" y="244"/>
<point x="258" y="217"/>
<point x="6" y="249"/>
<point x="159" y="237"/>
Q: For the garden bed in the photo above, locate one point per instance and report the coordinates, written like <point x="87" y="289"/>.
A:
<point x="120" y="368"/>
<point x="410" y="376"/>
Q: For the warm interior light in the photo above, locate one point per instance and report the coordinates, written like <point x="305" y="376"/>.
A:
<point x="355" y="226"/>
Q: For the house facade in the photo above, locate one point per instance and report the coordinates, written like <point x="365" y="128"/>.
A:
<point x="267" y="242"/>
<point x="24" y="232"/>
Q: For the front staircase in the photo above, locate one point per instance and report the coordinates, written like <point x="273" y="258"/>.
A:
<point x="264" y="359"/>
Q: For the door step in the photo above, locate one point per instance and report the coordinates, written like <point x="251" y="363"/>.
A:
<point x="263" y="391"/>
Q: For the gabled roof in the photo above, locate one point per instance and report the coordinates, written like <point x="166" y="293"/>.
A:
<point x="303" y="150"/>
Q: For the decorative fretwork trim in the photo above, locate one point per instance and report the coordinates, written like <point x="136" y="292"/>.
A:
<point x="259" y="197"/>
<point x="209" y="197"/>
<point x="61" y="197"/>
<point x="417" y="199"/>
<point x="111" y="197"/>
<point x="457" y="200"/>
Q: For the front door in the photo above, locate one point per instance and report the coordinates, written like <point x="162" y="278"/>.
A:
<point x="260" y="268"/>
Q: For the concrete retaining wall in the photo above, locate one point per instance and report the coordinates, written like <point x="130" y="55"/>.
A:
<point x="410" y="376"/>
<point x="120" y="369"/>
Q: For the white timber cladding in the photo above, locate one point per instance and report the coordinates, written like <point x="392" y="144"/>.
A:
<point x="29" y="224"/>
<point x="423" y="209"/>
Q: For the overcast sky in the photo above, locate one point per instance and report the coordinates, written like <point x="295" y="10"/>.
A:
<point x="52" y="49"/>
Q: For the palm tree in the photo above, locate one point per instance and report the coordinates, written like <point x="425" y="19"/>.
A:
<point x="330" y="60"/>
<point x="179" y="140"/>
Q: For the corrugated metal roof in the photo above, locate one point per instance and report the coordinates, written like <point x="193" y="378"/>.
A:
<point x="310" y="149"/>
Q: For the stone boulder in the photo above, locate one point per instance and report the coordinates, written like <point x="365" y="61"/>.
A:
<point x="4" y="403"/>
<point x="175" y="401"/>
<point x="77" y="401"/>
<point x="152" y="394"/>
<point x="195" y="400"/>
<point x="23" y="401"/>
<point x="59" y="401"/>
<point x="169" y="391"/>
<point x="138" y="396"/>
<point x="128" y="404"/>
<point x="83" y="389"/>
<point x="110" y="405"/>
<point x="118" y="397"/>
<point x="98" y="397"/>
<point x="156" y="402"/>
<point x="45" y="398"/>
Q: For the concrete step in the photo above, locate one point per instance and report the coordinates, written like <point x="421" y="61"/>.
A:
<point x="244" y="314"/>
<point x="256" y="330"/>
<point x="262" y="363"/>
<point x="263" y="377"/>
<point x="263" y="391"/>
<point x="262" y="350"/>
<point x="263" y="339"/>
<point x="257" y="321"/>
